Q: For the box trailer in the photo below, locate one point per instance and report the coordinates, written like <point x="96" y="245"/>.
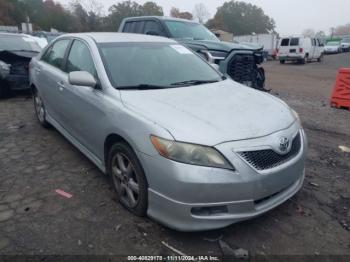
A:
<point x="268" y="41"/>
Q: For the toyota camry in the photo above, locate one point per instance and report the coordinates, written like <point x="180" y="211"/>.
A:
<point x="181" y="142"/>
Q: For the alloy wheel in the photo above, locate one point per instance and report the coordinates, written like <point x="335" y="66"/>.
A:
<point x="39" y="107"/>
<point x="125" y="180"/>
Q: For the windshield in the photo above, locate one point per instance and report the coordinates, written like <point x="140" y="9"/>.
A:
<point x="159" y="64"/>
<point x="332" y="43"/>
<point x="179" y="29"/>
<point x="347" y="40"/>
<point x="18" y="43"/>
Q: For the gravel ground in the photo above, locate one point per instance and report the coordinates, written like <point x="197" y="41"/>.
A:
<point x="34" y="220"/>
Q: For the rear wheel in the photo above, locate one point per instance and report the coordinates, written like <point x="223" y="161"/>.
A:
<point x="128" y="178"/>
<point x="40" y="110"/>
<point x="282" y="61"/>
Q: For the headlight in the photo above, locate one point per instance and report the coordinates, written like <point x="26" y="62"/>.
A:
<point x="296" y="115"/>
<point x="4" y="69"/>
<point x="4" y="66"/>
<point x="190" y="153"/>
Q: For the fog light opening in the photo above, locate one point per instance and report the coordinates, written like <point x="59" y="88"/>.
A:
<point x="209" y="211"/>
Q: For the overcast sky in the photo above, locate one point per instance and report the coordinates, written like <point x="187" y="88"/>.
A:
<point x="291" y="16"/>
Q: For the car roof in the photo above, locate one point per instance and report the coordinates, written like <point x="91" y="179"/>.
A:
<point x="12" y="34"/>
<point x="121" y="37"/>
<point x="165" y="18"/>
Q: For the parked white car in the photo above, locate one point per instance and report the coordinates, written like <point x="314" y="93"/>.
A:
<point x="345" y="45"/>
<point x="333" y="47"/>
<point x="42" y="42"/>
<point x="300" y="49"/>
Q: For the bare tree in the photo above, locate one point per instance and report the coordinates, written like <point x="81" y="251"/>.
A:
<point x="201" y="13"/>
<point x="342" y="30"/>
<point x="175" y="12"/>
<point x="93" y="6"/>
<point x="309" y="32"/>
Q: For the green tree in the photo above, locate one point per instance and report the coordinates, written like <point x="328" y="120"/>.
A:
<point x="129" y="9"/>
<point x="151" y="8"/>
<point x="241" y="18"/>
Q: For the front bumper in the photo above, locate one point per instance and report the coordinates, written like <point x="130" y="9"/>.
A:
<point x="193" y="198"/>
<point x="291" y="57"/>
<point x="331" y="51"/>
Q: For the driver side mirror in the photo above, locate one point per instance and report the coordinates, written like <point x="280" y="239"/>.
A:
<point x="82" y="78"/>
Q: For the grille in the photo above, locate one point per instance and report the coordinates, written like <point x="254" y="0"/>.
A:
<point x="18" y="69"/>
<point x="241" y="68"/>
<point x="266" y="159"/>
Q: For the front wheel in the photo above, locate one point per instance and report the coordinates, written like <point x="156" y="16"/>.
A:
<point x="40" y="110"/>
<point x="128" y="178"/>
<point x="4" y="89"/>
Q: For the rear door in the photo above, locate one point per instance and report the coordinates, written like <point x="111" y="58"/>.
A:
<point x="313" y="50"/>
<point x="294" y="46"/>
<point x="284" y="47"/>
<point x="318" y="48"/>
<point x="50" y="77"/>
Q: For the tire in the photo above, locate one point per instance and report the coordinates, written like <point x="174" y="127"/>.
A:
<point x="4" y="89"/>
<point x="40" y="110"/>
<point x="128" y="178"/>
<point x="282" y="62"/>
<point x="303" y="61"/>
<point x="320" y="59"/>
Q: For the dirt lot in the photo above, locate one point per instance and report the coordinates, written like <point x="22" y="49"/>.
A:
<point x="34" y="162"/>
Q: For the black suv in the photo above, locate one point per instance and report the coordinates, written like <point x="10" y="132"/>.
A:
<point x="240" y="62"/>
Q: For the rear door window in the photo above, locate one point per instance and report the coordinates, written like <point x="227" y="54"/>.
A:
<point x="285" y="42"/>
<point x="133" y="27"/>
<point x="127" y="27"/>
<point x="55" y="55"/>
<point x="294" y="41"/>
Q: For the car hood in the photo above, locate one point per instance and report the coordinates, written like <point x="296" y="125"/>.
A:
<point x="17" y="55"/>
<point x="218" y="45"/>
<point x="211" y="114"/>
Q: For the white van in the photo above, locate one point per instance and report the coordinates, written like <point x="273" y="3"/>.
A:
<point x="300" y="49"/>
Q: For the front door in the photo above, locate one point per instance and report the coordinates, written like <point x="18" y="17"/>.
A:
<point x="83" y="106"/>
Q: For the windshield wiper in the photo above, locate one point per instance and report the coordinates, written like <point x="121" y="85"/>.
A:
<point x="142" y="87"/>
<point x="194" y="82"/>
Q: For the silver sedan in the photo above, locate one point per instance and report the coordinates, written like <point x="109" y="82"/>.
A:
<point x="181" y="142"/>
